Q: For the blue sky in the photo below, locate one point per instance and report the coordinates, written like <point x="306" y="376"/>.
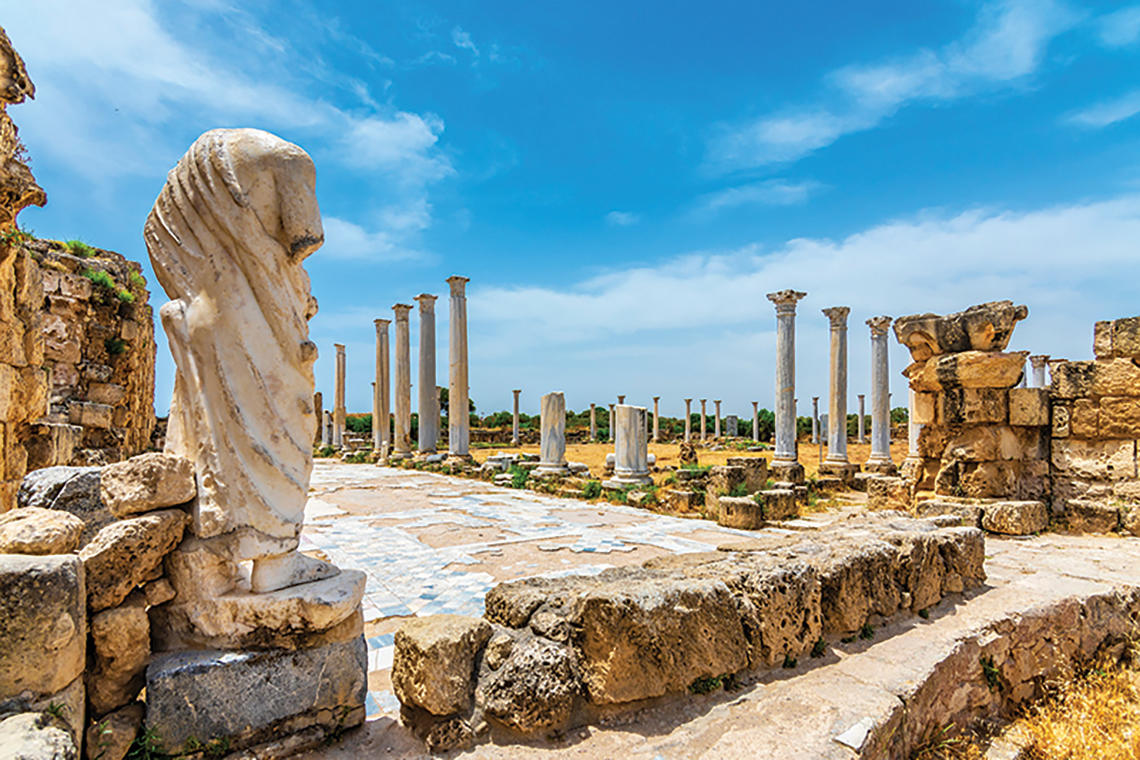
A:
<point x="623" y="182"/>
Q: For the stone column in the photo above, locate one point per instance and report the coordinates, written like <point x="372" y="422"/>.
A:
<point x="515" y="440"/>
<point x="704" y="426"/>
<point x="688" y="420"/>
<point x="837" y="462"/>
<point x="552" y="460"/>
<point x="716" y="421"/>
<point x="815" y="419"/>
<point x="381" y="418"/>
<point x="319" y="409"/>
<point x="862" y="433"/>
<point x="880" y="458"/>
<point x="913" y="429"/>
<point x="611" y="428"/>
<point x="326" y="429"/>
<point x="458" y="394"/>
<point x="339" y="412"/>
<point x="656" y="419"/>
<point x="1038" y="362"/>
<point x="428" y="401"/>
<point x="621" y="399"/>
<point x="631" y="453"/>
<point x="402" y="446"/>
<point x="756" y="421"/>
<point x="593" y="422"/>
<point x="784" y="460"/>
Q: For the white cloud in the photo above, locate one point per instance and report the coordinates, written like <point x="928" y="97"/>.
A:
<point x="348" y="240"/>
<point x="462" y="40"/>
<point x="699" y="324"/>
<point x="773" y="192"/>
<point x="622" y="218"/>
<point x="1006" y="45"/>
<point x="1121" y="28"/>
<point x="1108" y="112"/>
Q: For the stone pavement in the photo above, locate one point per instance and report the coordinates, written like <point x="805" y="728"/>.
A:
<point x="436" y="544"/>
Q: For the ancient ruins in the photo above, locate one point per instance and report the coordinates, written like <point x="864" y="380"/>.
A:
<point x="258" y="575"/>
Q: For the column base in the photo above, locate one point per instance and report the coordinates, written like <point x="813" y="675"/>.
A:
<point x="550" y="471"/>
<point x="428" y="456"/>
<point x="880" y="467"/>
<point x="845" y="471"/>
<point x="397" y="455"/>
<point x="621" y="482"/>
<point x="786" y="472"/>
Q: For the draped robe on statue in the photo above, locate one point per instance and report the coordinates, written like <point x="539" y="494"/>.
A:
<point x="227" y="238"/>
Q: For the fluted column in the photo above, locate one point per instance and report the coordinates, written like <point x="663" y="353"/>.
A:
<point x="427" y="399"/>
<point x="1038" y="362"/>
<point x="756" y="421"/>
<point x="339" y="413"/>
<point x="381" y="417"/>
<point x="704" y="426"/>
<point x="785" y="302"/>
<point x="326" y="429"/>
<point x="515" y="419"/>
<point x="458" y="394"/>
<point x="837" y="391"/>
<point x="611" y="427"/>
<point x="593" y="422"/>
<point x="716" y="421"/>
<point x="631" y="454"/>
<point x="688" y="420"/>
<point x="656" y="419"/>
<point x="815" y="419"/>
<point x="862" y="433"/>
<point x="880" y="457"/>
<point x="403" y="387"/>
<point x="552" y="460"/>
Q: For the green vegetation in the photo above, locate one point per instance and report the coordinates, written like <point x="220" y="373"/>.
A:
<point x="147" y="746"/>
<point x="867" y="632"/>
<point x="15" y="235"/>
<point x="819" y="647"/>
<point x="357" y="457"/>
<point x="519" y="476"/>
<point x="592" y="489"/>
<point x="738" y="490"/>
<point x="125" y="295"/>
<point x="137" y="280"/>
<point x="80" y="249"/>
<point x="789" y="662"/>
<point x="991" y="673"/>
<point x="115" y="346"/>
<point x="358" y="423"/>
<point x="100" y="278"/>
<point x="55" y="710"/>
<point x="706" y="685"/>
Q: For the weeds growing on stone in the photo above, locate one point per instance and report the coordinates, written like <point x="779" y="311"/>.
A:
<point x="115" y="346"/>
<point x="867" y="632"/>
<point x="819" y="647"/>
<point x="706" y="685"/>
<point x="80" y="249"/>
<point x="100" y="278"/>
<point x="991" y="673"/>
<point x="789" y="661"/>
<point x="147" y="746"/>
<point x="519" y="476"/>
<point x="592" y="489"/>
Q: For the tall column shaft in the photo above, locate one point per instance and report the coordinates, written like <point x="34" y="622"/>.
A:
<point x="756" y="421"/>
<point x="515" y="419"/>
<point x="403" y="387"/>
<point x="428" y="399"/>
<point x="704" y="427"/>
<point x="837" y="393"/>
<point x="631" y="457"/>
<point x="381" y="422"/>
<point x="1038" y="362"/>
<point x="656" y="419"/>
<point x="716" y="421"/>
<point x="611" y="427"/>
<point x="880" y="392"/>
<point x="815" y="419"/>
<point x="552" y="460"/>
<point x="593" y="422"/>
<point x="339" y="413"/>
<point x="458" y="411"/>
<point x="326" y="429"/>
<point x="913" y="429"/>
<point x="785" y="301"/>
<point x="319" y="410"/>
<point x="862" y="433"/>
<point x="688" y="420"/>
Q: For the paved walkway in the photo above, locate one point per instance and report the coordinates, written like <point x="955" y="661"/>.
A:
<point x="435" y="544"/>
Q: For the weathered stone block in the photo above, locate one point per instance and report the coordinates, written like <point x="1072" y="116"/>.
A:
<point x="1070" y="380"/>
<point x="1126" y="338"/>
<point x="885" y="492"/>
<point x="1089" y="516"/>
<point x="434" y="663"/>
<point x="684" y="501"/>
<point x="723" y="481"/>
<point x="71" y="489"/>
<point x="120" y="644"/>
<point x="1119" y="377"/>
<point x="127" y="553"/>
<point x="1102" y="340"/>
<point x="779" y="503"/>
<point x="110" y="737"/>
<point x="91" y="415"/>
<point x="534" y="689"/>
<point x="1130" y="519"/>
<point x="1029" y="406"/>
<point x="780" y="612"/>
<point x="250" y="697"/>
<point x="969" y="514"/>
<point x="35" y="736"/>
<point x="147" y="482"/>
<point x="646" y="637"/>
<point x="1015" y="518"/>
<point x="43" y="623"/>
<point x="1061" y="420"/>
<point x="740" y="512"/>
<point x="105" y="393"/>
<point x="970" y="369"/>
<point x="1094" y="460"/>
<point x="755" y="471"/>
<point x="925" y="408"/>
<point x="973" y="406"/>
<point x="786" y="472"/>
<point x="39" y="531"/>
<point x="1084" y="418"/>
<point x="985" y="327"/>
<point x="1119" y="417"/>
<point x="856" y="580"/>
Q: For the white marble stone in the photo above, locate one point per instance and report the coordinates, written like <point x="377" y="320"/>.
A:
<point x="785" y="302"/>
<point x="1038" y="362"/>
<point x="459" y="389"/>
<point x="339" y="412"/>
<point x="861" y="421"/>
<point x="428" y="396"/>
<point x="880" y="392"/>
<point x="756" y="420"/>
<point x="402" y="446"/>
<point x="611" y="426"/>
<point x="716" y="419"/>
<point x="381" y="416"/>
<point x="631" y="454"/>
<point x="656" y="419"/>
<point x="593" y="422"/>
<point x="704" y="425"/>
<point x="688" y="420"/>
<point x="815" y="419"/>
<point x="552" y="458"/>
<point x="515" y="419"/>
<point x="837" y="393"/>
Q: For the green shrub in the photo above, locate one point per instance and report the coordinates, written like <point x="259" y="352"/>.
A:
<point x="519" y="476"/>
<point x="100" y="278"/>
<point x="80" y="249"/>
<point x="738" y="490"/>
<point x="125" y="296"/>
<point x="136" y="279"/>
<point x="592" y="489"/>
<point x="705" y="685"/>
<point x="115" y="346"/>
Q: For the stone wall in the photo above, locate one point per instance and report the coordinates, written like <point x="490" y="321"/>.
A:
<point x="981" y="436"/>
<point x="1095" y="427"/>
<point x="23" y="382"/>
<point x="99" y="350"/>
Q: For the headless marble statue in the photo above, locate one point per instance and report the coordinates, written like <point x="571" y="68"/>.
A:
<point x="227" y="238"/>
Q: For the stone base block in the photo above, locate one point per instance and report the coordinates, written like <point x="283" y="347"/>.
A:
<point x="888" y="493"/>
<point x="859" y="482"/>
<point x="550" y="471"/>
<point x="1015" y="518"/>
<point x="684" y="501"/>
<point x="845" y="471"/>
<point x="791" y="472"/>
<point x="1091" y="516"/>
<point x="241" y="699"/>
<point x="625" y="481"/>
<point x="880" y="468"/>
<point x="968" y="514"/>
<point x="779" y="503"/>
<point x="740" y="512"/>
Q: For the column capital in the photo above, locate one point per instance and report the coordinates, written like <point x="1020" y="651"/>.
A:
<point x="517" y="391"/>
<point x="837" y="315"/>
<point x="339" y="347"/>
<point x="704" y="400"/>
<point x="815" y="399"/>
<point x="786" y="300"/>
<point x="656" y="398"/>
<point x="688" y="401"/>
<point x="879" y="325"/>
<point x="426" y="301"/>
<point x="755" y="404"/>
<point x="1038" y="360"/>
<point x="401" y="310"/>
<point x="861" y="395"/>
<point x="458" y="284"/>
<point x="381" y="323"/>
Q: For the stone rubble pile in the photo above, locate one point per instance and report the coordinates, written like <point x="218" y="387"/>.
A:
<point x="553" y="653"/>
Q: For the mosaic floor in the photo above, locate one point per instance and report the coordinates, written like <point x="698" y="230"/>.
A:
<point x="432" y="544"/>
